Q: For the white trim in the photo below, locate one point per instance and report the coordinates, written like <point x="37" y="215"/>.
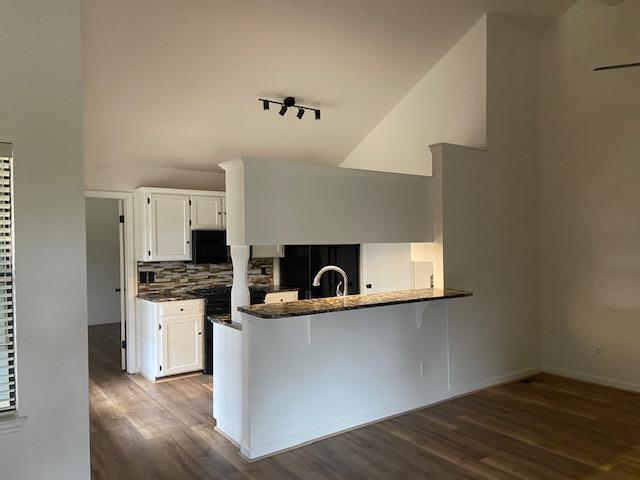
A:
<point x="11" y="423"/>
<point x="133" y="339"/>
<point x="594" y="379"/>
<point x="181" y="191"/>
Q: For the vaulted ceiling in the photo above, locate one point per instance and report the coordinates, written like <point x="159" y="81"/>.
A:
<point x="175" y="83"/>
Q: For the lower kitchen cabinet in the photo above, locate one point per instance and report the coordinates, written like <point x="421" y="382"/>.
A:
<point x="172" y="337"/>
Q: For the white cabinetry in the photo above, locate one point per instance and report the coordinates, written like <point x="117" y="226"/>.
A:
<point x="172" y="337"/>
<point x="207" y="212"/>
<point x="169" y="232"/>
<point x="165" y="217"/>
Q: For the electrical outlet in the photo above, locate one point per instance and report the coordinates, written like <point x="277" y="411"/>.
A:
<point x="598" y="350"/>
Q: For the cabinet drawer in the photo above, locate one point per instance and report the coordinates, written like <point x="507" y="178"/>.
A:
<point x="181" y="308"/>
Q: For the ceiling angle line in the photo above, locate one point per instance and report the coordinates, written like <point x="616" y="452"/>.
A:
<point x="614" y="67"/>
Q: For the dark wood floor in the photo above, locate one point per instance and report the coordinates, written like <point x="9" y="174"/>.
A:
<point x="551" y="428"/>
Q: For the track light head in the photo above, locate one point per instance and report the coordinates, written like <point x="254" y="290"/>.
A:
<point x="282" y="111"/>
<point x="300" y="113"/>
<point x="317" y="114"/>
<point x="265" y="104"/>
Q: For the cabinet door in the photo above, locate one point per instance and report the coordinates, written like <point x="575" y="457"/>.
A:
<point x="207" y="212"/>
<point x="170" y="233"/>
<point x="182" y="341"/>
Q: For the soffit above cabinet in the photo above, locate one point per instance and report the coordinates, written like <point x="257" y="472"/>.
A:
<point x="272" y="202"/>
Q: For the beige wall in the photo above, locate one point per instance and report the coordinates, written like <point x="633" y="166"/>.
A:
<point x="125" y="178"/>
<point x="41" y="102"/>
<point x="447" y="105"/>
<point x="590" y="171"/>
<point x="103" y="261"/>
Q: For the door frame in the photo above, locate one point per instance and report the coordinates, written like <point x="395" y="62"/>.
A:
<point x="131" y="286"/>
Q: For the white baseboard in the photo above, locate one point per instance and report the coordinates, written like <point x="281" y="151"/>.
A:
<point x="311" y="436"/>
<point x="494" y="382"/>
<point x="595" y="379"/>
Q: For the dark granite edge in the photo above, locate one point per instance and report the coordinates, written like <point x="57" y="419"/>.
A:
<point x="157" y="298"/>
<point x="448" y="294"/>
<point x="167" y="297"/>
<point x="222" y="320"/>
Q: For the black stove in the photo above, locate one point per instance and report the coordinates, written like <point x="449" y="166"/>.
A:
<point x="217" y="301"/>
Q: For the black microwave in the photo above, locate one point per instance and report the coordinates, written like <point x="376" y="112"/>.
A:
<point x="209" y="246"/>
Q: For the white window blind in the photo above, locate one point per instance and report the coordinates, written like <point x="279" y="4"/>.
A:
<point x="7" y="350"/>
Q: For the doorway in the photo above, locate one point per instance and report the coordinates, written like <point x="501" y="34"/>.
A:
<point x="111" y="285"/>
<point x="105" y="269"/>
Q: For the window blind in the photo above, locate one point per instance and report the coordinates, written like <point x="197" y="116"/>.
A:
<point x="7" y="350"/>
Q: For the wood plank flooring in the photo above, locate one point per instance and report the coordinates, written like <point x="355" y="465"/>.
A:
<point x="549" y="429"/>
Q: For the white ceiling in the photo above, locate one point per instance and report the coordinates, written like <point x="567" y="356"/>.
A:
<point x="175" y="83"/>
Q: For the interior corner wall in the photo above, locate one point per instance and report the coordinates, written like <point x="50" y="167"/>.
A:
<point x="485" y="90"/>
<point x="41" y="102"/>
<point x="124" y="177"/>
<point x="589" y="194"/>
<point x="491" y="222"/>
<point x="446" y="105"/>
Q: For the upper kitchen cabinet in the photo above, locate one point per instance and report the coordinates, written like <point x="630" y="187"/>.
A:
<point x="165" y="218"/>
<point x="207" y="212"/>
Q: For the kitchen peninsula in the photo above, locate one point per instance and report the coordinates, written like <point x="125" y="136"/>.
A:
<point x="295" y="372"/>
<point x="351" y="302"/>
<point x="292" y="373"/>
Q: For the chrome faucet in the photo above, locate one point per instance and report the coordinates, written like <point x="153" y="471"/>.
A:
<point x="332" y="268"/>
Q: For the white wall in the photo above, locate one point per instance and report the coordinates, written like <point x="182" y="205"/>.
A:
<point x="491" y="210"/>
<point x="103" y="261"/>
<point x="447" y="105"/>
<point x="491" y="244"/>
<point x="125" y="178"/>
<point x="41" y="102"/>
<point x="589" y="193"/>
<point x="343" y="369"/>
<point x="387" y="267"/>
<point x="272" y="202"/>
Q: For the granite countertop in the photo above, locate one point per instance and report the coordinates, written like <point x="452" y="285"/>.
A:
<point x="225" y="320"/>
<point x="171" y="296"/>
<point x="168" y="296"/>
<point x="350" y="302"/>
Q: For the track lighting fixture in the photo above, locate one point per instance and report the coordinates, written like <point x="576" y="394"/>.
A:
<point x="287" y="103"/>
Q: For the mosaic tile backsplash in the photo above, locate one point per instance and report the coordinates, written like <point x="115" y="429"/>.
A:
<point x="182" y="276"/>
